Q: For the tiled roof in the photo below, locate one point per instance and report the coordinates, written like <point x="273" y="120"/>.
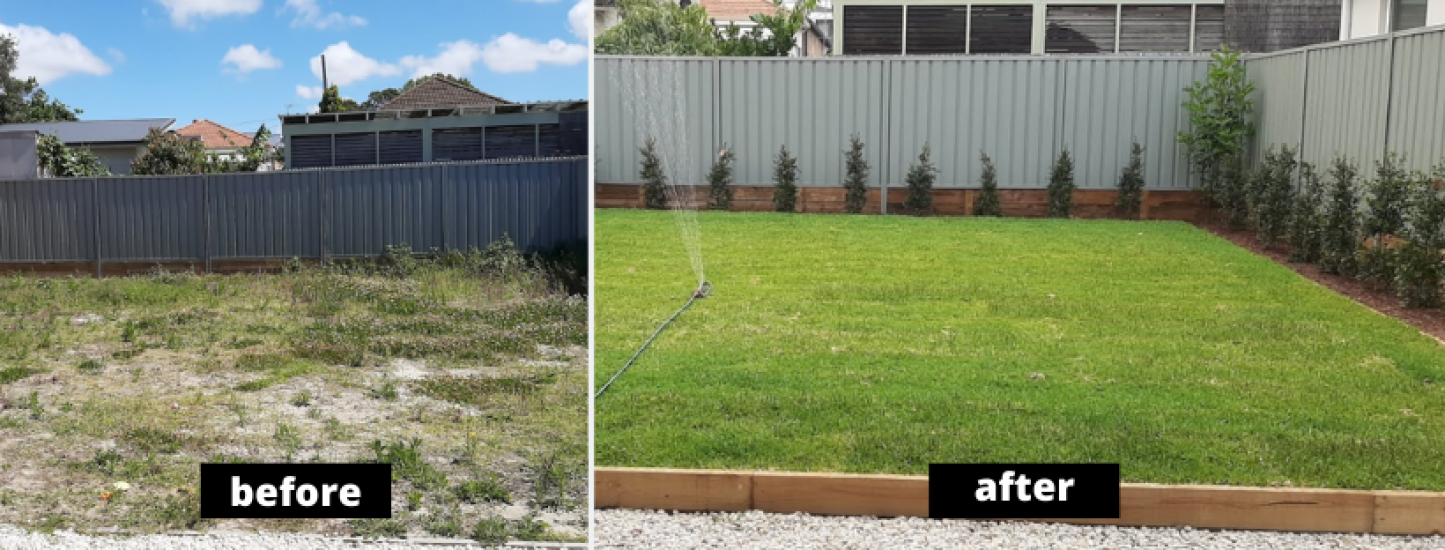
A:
<point x="437" y="93"/>
<point x="215" y="136"/>
<point x="736" y="10"/>
<point x="95" y="131"/>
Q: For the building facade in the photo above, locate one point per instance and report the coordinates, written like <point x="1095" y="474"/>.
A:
<point x="1364" y="18"/>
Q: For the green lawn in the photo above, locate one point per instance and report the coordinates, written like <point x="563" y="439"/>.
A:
<point x="881" y="344"/>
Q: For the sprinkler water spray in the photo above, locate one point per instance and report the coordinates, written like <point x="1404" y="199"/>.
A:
<point x="703" y="290"/>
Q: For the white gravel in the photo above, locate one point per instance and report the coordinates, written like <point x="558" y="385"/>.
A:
<point x="756" y="530"/>
<point x="18" y="539"/>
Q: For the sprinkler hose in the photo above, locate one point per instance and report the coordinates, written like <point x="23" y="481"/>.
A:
<point x="702" y="291"/>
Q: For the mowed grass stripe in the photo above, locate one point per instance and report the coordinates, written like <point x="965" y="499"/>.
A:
<point x="882" y="344"/>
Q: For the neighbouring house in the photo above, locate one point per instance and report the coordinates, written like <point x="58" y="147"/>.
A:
<point x="19" y="158"/>
<point x="1363" y="18"/>
<point x="115" y="142"/>
<point x="219" y="140"/>
<point x="436" y="120"/>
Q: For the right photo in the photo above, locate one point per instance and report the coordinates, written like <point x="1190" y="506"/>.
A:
<point x="1019" y="274"/>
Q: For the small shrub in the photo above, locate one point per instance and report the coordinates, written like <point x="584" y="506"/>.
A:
<point x="1339" y="238"/>
<point x="720" y="180"/>
<point x="414" y="499"/>
<point x="445" y="524"/>
<point x="1061" y="186"/>
<point x="530" y="528"/>
<point x="1231" y="191"/>
<point x="289" y="439"/>
<point x="302" y="399"/>
<point x="379" y="528"/>
<point x="1307" y="217"/>
<point x="1387" y="205"/>
<point x="1273" y="194"/>
<point x="491" y="531"/>
<point x="91" y="366"/>
<point x="488" y="489"/>
<point x="1131" y="183"/>
<point x="988" y="203"/>
<point x="407" y="463"/>
<point x="386" y="392"/>
<point x="920" y="184"/>
<point x="785" y="181"/>
<point x="1420" y="269"/>
<point x="654" y="181"/>
<point x="856" y="183"/>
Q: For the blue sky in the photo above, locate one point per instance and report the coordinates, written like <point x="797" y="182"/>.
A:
<point x="243" y="62"/>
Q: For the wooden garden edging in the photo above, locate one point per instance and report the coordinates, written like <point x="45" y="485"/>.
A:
<point x="1151" y="505"/>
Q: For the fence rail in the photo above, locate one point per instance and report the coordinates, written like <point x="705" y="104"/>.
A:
<point x="311" y="214"/>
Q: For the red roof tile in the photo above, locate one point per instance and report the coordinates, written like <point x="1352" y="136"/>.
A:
<point x="737" y="10"/>
<point x="214" y="135"/>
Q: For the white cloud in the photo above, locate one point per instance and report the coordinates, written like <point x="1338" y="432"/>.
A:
<point x="456" y="58"/>
<point x="48" y="56"/>
<point x="308" y="14"/>
<point x="246" y="58"/>
<point x="117" y="55"/>
<point x="183" y="12"/>
<point x="309" y="92"/>
<point x="579" y="19"/>
<point x="510" y="53"/>
<point x="345" y="65"/>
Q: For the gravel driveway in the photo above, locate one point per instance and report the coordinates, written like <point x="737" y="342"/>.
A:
<point x="756" y="530"/>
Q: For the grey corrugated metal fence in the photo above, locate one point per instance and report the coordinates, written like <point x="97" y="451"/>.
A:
<point x="1356" y="99"/>
<point x="1021" y="110"/>
<point x="352" y="212"/>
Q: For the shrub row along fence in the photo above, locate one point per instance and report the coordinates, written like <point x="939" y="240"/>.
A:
<point x="310" y="214"/>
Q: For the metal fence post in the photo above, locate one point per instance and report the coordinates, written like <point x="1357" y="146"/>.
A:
<point x="442" y="187"/>
<point x="321" y="214"/>
<point x="95" y="196"/>
<point x="887" y="126"/>
<point x="1389" y="94"/>
<point x="206" y="215"/>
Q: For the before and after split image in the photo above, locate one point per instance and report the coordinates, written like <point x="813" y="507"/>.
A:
<point x="722" y="274"/>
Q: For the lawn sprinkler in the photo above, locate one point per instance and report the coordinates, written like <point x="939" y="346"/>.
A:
<point x="702" y="290"/>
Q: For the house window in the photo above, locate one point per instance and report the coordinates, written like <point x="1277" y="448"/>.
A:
<point x="937" y="30"/>
<point x="1154" y="28"/>
<point x="1001" y="29"/>
<point x="1080" y="29"/>
<point x="872" y="30"/>
<point x="1408" y="14"/>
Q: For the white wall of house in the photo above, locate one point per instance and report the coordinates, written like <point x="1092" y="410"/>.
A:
<point x="117" y="158"/>
<point x="1364" y="18"/>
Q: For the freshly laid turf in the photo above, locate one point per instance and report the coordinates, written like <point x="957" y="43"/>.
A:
<point x="883" y="344"/>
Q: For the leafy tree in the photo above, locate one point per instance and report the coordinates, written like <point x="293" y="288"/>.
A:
<point x="444" y="76"/>
<point x="22" y="100"/>
<point x="720" y="180"/>
<point x="988" y="203"/>
<point x="785" y="181"/>
<point x="250" y="157"/>
<point x="1340" y="237"/>
<point x="654" y="181"/>
<point x="659" y="27"/>
<point x="60" y="161"/>
<point x="168" y="154"/>
<point x="1307" y="217"/>
<point x="856" y="183"/>
<point x="42" y="108"/>
<point x="1131" y="183"/>
<point x="1219" y="110"/>
<point x="331" y="100"/>
<point x="376" y="99"/>
<point x="920" y="184"/>
<point x="1061" y="186"/>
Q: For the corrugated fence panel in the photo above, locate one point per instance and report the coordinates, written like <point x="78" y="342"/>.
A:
<point x="374" y="208"/>
<point x="541" y="209"/>
<point x="157" y="218"/>
<point x="1008" y="108"/>
<point x="266" y="216"/>
<point x="1279" y="100"/>
<point x="1346" y="98"/>
<point x="1417" y="111"/>
<point x="47" y="220"/>
<point x="812" y="107"/>
<point x="673" y="100"/>
<point x="1110" y="103"/>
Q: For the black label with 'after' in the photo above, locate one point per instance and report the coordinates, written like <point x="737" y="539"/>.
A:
<point x="321" y="491"/>
<point x="1023" y="491"/>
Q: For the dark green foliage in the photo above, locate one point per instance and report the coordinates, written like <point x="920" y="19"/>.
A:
<point x="1131" y="183"/>
<point x="1339" y="238"/>
<point x="1420" y="269"/>
<point x="720" y="180"/>
<point x="1272" y="194"/>
<point x="785" y="181"/>
<point x="22" y="100"/>
<point x="1387" y="206"/>
<point x="1231" y="192"/>
<point x="658" y="27"/>
<point x="492" y="530"/>
<point x="1061" y="186"/>
<point x="1307" y="217"/>
<point x="988" y="203"/>
<point x="1219" y="112"/>
<point x="331" y="100"/>
<point x="920" y="184"/>
<point x="60" y="161"/>
<point x="169" y="154"/>
<point x="378" y="528"/>
<point x="654" y="181"/>
<point x="856" y="182"/>
<point x="488" y="489"/>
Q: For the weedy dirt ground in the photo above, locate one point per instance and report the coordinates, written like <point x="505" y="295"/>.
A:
<point x="468" y="377"/>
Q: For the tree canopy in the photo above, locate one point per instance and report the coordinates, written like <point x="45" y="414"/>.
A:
<point x="170" y="154"/>
<point x="23" y="100"/>
<point x="657" y="27"/>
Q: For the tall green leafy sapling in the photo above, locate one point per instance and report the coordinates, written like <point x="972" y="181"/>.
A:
<point x="988" y="203"/>
<point x="720" y="180"/>
<point x="1061" y="186"/>
<point x="785" y="181"/>
<point x="654" y="181"/>
<point x="920" y="184"/>
<point x="1339" y="239"/>
<point x="856" y="182"/>
<point x="1131" y="183"/>
<point x="1219" y="119"/>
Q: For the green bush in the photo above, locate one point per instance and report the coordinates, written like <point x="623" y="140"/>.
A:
<point x="988" y="203"/>
<point x="1061" y="186"/>
<point x="856" y="182"/>
<point x="1339" y="238"/>
<point x="1219" y="113"/>
<point x="1387" y="206"/>
<point x="1420" y="269"/>
<point x="720" y="180"/>
<point x="1307" y="217"/>
<point x="654" y="181"/>
<point x="920" y="184"/>
<point x="1231" y="192"/>
<point x="492" y="531"/>
<point x="785" y="181"/>
<point x="1131" y="183"/>
<point x="1272" y="190"/>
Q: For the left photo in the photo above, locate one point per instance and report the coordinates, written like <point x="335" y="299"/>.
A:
<point x="294" y="273"/>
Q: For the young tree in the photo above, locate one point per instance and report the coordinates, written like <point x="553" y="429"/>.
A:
<point x="1061" y="186"/>
<point x="856" y="182"/>
<point x="22" y="100"/>
<point x="331" y="100"/>
<point x="1340" y="238"/>
<point x="1307" y="217"/>
<point x="920" y="184"/>
<point x="1131" y="183"/>
<point x="720" y="180"/>
<point x="654" y="181"/>
<point x="1219" y="109"/>
<point x="60" y="161"/>
<point x="785" y="182"/>
<point x="988" y="203"/>
<point x="170" y="154"/>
